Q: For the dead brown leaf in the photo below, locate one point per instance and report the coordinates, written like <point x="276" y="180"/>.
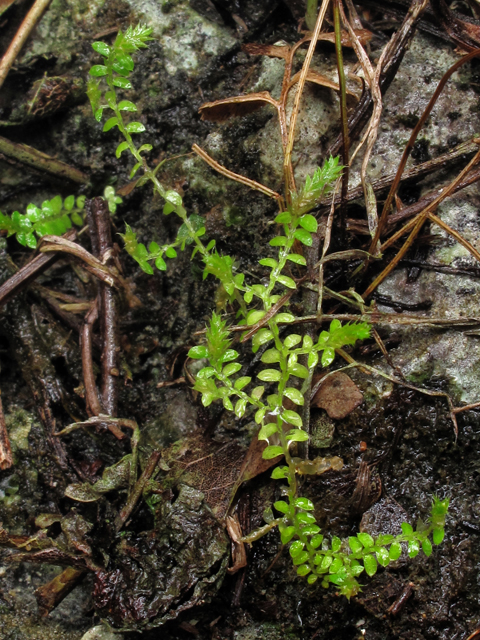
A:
<point x="338" y="395"/>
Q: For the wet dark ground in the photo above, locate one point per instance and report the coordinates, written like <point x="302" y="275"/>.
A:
<point x="411" y="447"/>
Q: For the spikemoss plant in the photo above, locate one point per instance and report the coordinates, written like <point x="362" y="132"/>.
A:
<point x="290" y="358"/>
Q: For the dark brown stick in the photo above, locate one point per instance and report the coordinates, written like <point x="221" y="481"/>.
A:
<point x="98" y="217"/>
<point x="51" y="594"/>
<point x="29" y="272"/>
<point x="92" y="401"/>
<point x="138" y="489"/>
<point x="6" y="459"/>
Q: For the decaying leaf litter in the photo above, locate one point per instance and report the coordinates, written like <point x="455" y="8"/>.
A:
<point x="397" y="414"/>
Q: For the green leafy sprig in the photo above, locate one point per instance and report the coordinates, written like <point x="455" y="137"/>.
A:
<point x="338" y="563"/>
<point x="53" y="217"/>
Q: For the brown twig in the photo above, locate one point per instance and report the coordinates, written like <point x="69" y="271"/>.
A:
<point x="29" y="272"/>
<point x="39" y="160"/>
<point x="416" y="224"/>
<point x="138" y="489"/>
<point x="287" y="162"/>
<point x="50" y="595"/>
<point x="6" y="458"/>
<point x="270" y="313"/>
<point x="235" y="176"/>
<point x="31" y="19"/>
<point x="409" y="147"/>
<point x="98" y="217"/>
<point x="92" y="401"/>
<point x="89" y="262"/>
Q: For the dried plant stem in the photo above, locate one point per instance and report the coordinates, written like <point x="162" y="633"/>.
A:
<point x="138" y="489"/>
<point x="41" y="161"/>
<point x="31" y="19"/>
<point x="235" y="176"/>
<point x="417" y="224"/>
<point x="287" y="162"/>
<point x="343" y="118"/>
<point x="24" y="276"/>
<point x="393" y="189"/>
<point x="92" y="401"/>
<point x="6" y="458"/>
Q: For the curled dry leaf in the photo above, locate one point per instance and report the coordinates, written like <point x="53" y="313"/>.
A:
<point x="318" y="78"/>
<point x="338" y="395"/>
<point x="270" y="50"/>
<point x="222" y="110"/>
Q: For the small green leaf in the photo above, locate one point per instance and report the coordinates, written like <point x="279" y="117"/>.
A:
<point x="298" y="370"/>
<point x="200" y="351"/>
<point x="98" y="70"/>
<point x="303" y="570"/>
<point x="301" y="558"/>
<point x="170" y="252"/>
<point x="309" y="223"/>
<point x="336" y="545"/>
<point x="257" y="393"/>
<point x="283" y="507"/>
<point x="287" y="282"/>
<point x="231" y="368"/>
<point x="68" y="204"/>
<point x="122" y="83"/>
<point x="271" y="356"/>
<point x="279" y="473"/>
<point x="229" y="355"/>
<point x="438" y="536"/>
<point x="304" y="237"/>
<point x="254" y="317"/>
<point x="413" y="548"/>
<point x="407" y="528"/>
<point x="242" y="382"/>
<point x="355" y="545"/>
<point x="267" y="430"/>
<point x="284" y="218"/>
<point x="101" y="47"/>
<point x="383" y="557"/>
<point x="284" y="317"/>
<point x="287" y="534"/>
<point x="370" y="565"/>
<point x="121" y="148"/>
<point x="316" y="541"/>
<point x="272" y="452"/>
<point x="135" y="127"/>
<point x="297" y="435"/>
<point x="294" y="395"/>
<point x="268" y="262"/>
<point x="270" y="375"/>
<point x="312" y="578"/>
<point x="292" y="340"/>
<point x="240" y="407"/>
<point x="328" y="356"/>
<point x="302" y="518"/>
<point x="312" y="359"/>
<point x="126" y="105"/>
<point x="395" y="551"/>
<point x="260" y="414"/>
<point x="292" y="417"/>
<point x="297" y="259"/>
<point x="160" y="264"/>
<point x="145" y="147"/>
<point x="304" y="503"/>
<point x="366" y="539"/>
<point x="278" y="241"/>
<point x="135" y="169"/>
<point x="427" y="547"/>
<point x="296" y="548"/>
